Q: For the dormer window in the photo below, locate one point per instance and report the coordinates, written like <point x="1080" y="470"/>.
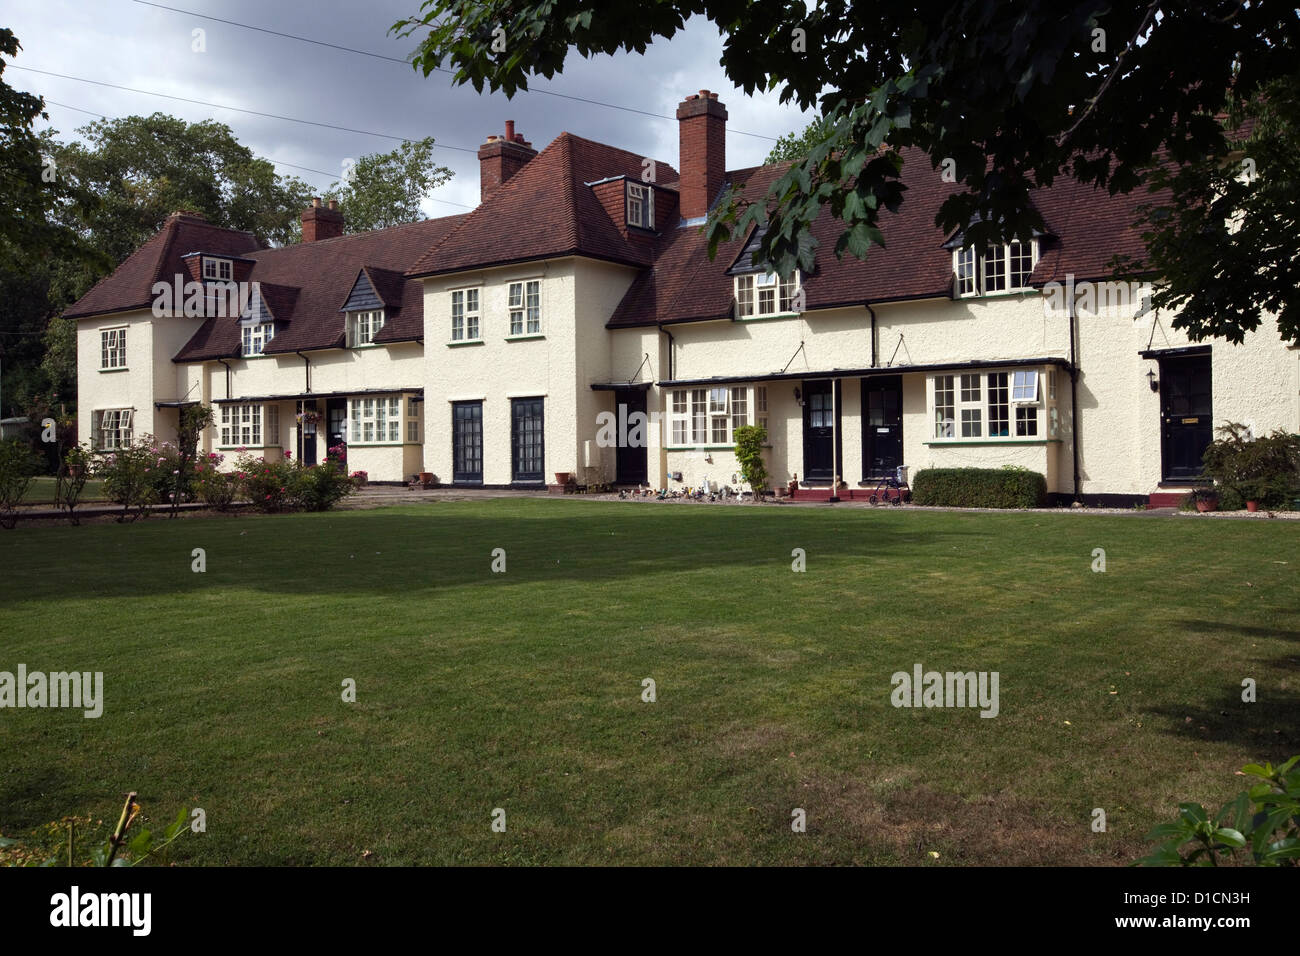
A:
<point x="640" y="206"/>
<point x="218" y="270"/>
<point x="256" y="337"/>
<point x="765" y="294"/>
<point x="1001" y="268"/>
<point x="363" y="327"/>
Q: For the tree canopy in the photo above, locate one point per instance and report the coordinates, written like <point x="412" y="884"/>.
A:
<point x="385" y="189"/>
<point x="1008" y="96"/>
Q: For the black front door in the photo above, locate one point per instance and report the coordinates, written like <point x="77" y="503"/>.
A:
<point x="820" y="431"/>
<point x="527" y="445"/>
<point x="1186" y="415"/>
<point x="882" y="426"/>
<point x="467" y="442"/>
<point x="307" y="432"/>
<point x="630" y="464"/>
<point x="336" y="420"/>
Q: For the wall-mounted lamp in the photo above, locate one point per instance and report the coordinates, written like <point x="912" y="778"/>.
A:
<point x="798" y="396"/>
<point x="1152" y="381"/>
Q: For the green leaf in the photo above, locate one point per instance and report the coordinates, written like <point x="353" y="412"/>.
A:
<point x="1229" y="836"/>
<point x="1193" y="813"/>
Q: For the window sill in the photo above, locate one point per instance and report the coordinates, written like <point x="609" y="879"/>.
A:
<point x="768" y="318"/>
<point x="1025" y="290"/>
<point x="464" y="342"/>
<point x="992" y="441"/>
<point x="123" y="369"/>
<point x="250" y="447"/>
<point x="377" y="444"/>
<point x="365" y="345"/>
<point x="703" y="447"/>
<point x="525" y="337"/>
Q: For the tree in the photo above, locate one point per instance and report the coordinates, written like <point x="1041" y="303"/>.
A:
<point x="385" y="189"/>
<point x="1008" y="96"/>
<point x="136" y="171"/>
<point x="795" y="146"/>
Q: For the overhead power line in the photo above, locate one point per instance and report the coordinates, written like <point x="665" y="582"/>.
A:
<point x="439" y="69"/>
<point x="278" y="162"/>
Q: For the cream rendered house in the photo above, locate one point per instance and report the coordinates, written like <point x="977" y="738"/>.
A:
<point x="574" y="323"/>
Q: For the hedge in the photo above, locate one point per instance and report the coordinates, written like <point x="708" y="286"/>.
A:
<point x="979" y="488"/>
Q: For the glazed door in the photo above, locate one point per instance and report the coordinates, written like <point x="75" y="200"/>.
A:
<point x="819" y="431"/>
<point x="467" y="442"/>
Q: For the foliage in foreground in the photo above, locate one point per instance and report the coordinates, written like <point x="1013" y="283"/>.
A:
<point x="1264" y="469"/>
<point x="750" y="440"/>
<point x="84" y="841"/>
<point x="1264" y="820"/>
<point x="979" y="488"/>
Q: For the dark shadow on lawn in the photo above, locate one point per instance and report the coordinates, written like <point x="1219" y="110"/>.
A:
<point x="1268" y="729"/>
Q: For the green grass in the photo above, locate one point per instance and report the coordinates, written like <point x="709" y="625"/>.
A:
<point x="522" y="690"/>
<point x="41" y="491"/>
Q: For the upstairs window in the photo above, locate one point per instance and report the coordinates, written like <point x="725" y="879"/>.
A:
<point x="256" y="337"/>
<point x="219" y="270"/>
<point x="765" y="294"/>
<point x="363" y="327"/>
<point x="1024" y="387"/>
<point x="465" y="315"/>
<point x="526" y="307"/>
<point x="112" y="348"/>
<point x="1001" y="268"/>
<point x="640" y="206"/>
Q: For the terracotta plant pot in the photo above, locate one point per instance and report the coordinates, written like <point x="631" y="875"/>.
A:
<point x="1211" y="504"/>
<point x="1252" y="505"/>
<point x="563" y="477"/>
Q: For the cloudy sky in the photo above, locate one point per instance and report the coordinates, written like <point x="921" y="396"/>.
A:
<point x="150" y="47"/>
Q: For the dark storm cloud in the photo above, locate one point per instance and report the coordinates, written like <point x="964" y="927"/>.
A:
<point x="149" y="48"/>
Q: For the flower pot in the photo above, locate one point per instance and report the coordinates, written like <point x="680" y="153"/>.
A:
<point x="563" y="477"/>
<point x="1207" y="504"/>
<point x="1252" y="505"/>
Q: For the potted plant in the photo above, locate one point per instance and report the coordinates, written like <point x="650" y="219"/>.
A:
<point x="1207" y="499"/>
<point x="564" y="477"/>
<point x="428" y="479"/>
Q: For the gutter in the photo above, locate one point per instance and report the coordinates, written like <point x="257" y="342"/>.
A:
<point x="672" y="347"/>
<point x="1074" y="395"/>
<point x="868" y="307"/>
<point x="227" y="364"/>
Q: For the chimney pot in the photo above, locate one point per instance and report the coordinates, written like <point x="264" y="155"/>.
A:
<point x="315" y="201"/>
<point x="500" y="157"/>
<point x="510" y="131"/>
<point x="334" y="204"/>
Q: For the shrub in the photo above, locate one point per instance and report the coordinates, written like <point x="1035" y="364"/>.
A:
<point x="979" y="488"/>
<point x="132" y="476"/>
<point x="17" y="466"/>
<point x="1264" y="820"/>
<point x="750" y="440"/>
<point x="321" y="487"/>
<point x="270" y="485"/>
<point x="72" y="478"/>
<point x="1264" y="469"/>
<point x="215" y="487"/>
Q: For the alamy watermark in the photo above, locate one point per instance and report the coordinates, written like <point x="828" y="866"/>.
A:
<point x="211" y="299"/>
<point x="923" y="688"/>
<point x="77" y="689"/>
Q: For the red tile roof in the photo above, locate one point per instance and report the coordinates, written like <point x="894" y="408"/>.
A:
<point x="546" y="210"/>
<point x="1087" y="227"/>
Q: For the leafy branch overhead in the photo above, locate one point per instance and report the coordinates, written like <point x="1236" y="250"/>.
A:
<point x="1013" y="95"/>
<point x="385" y="189"/>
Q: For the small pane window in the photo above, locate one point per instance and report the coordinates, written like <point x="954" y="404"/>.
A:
<point x="1024" y="386"/>
<point x="944" y="407"/>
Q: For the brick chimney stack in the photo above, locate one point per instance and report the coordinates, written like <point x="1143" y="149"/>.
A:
<point x="702" y="153"/>
<point x="321" y="222"/>
<point x="500" y="158"/>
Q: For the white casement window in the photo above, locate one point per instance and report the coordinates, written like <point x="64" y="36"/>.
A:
<point x="765" y="293"/>
<point x="217" y="269"/>
<point x="525" y="303"/>
<point x="984" y="406"/>
<point x="1002" y="268"/>
<point x="640" y="206"/>
<point x="679" y="417"/>
<point x="241" y="426"/>
<point x="465" y="315"/>
<point x="112" y="427"/>
<point x="376" y="420"/>
<point x="1024" y="387"/>
<point x="272" y="415"/>
<point x="739" y="409"/>
<point x="760" y="406"/>
<point x="112" y="348"/>
<point x="364" y="326"/>
<point x="718" y="415"/>
<point x="945" y="407"/>
<point x="256" y="337"/>
<point x="971" y="407"/>
<point x="414" y="427"/>
<point x="1051" y="384"/>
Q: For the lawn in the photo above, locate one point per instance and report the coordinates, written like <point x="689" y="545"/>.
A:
<point x="523" y="690"/>
<point x="41" y="491"/>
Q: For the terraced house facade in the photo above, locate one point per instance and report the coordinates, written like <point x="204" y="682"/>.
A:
<point x="495" y="348"/>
